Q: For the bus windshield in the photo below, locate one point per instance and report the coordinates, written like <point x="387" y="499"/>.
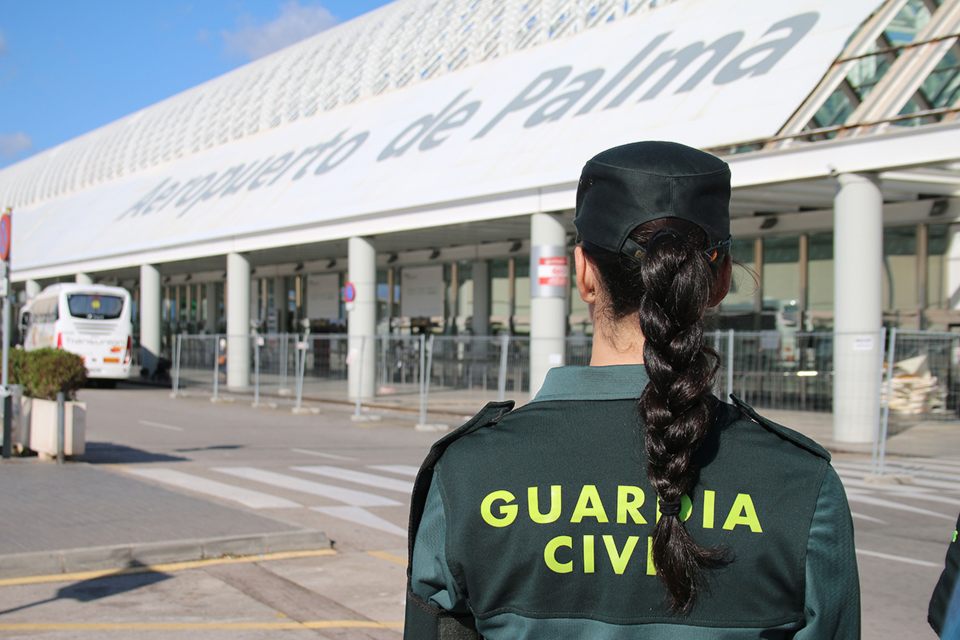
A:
<point x="95" y="307"/>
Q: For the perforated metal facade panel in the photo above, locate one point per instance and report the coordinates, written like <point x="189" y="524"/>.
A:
<point x="403" y="43"/>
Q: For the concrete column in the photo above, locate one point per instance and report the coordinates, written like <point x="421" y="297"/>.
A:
<point x="82" y="278"/>
<point x="151" y="316"/>
<point x="33" y="289"/>
<point x="210" y="294"/>
<point x="362" y="317"/>
<point x="548" y="293"/>
<point x="858" y="308"/>
<point x="238" y="321"/>
<point x="480" y="322"/>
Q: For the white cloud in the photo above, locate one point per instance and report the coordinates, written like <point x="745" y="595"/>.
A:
<point x="13" y="144"/>
<point x="294" y="23"/>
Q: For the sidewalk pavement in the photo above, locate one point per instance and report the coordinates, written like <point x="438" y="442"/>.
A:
<point x="76" y="517"/>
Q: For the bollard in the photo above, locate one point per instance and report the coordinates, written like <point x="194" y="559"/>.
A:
<point x="422" y="380"/>
<point x="426" y="387"/>
<point x="283" y="358"/>
<point x="300" y="361"/>
<point x="880" y="445"/>
<point x="216" y="368"/>
<point x="358" y="406"/>
<point x="177" y="350"/>
<point x="258" y="342"/>
<point x="502" y="374"/>
<point x="7" y="423"/>
<point x="61" y="426"/>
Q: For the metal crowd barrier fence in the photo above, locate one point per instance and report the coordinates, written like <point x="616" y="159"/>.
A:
<point x="455" y="375"/>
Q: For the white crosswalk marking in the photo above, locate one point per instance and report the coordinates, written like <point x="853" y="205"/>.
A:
<point x="863" y="516"/>
<point x="246" y="497"/>
<point x="323" y="454"/>
<point x="919" y="479"/>
<point x="399" y="469"/>
<point x="904" y="491"/>
<point x="935" y="463"/>
<point x="362" y="516"/>
<point x="890" y="504"/>
<point x="359" y="477"/>
<point x="348" y="496"/>
<point x="916" y="471"/>
<point x="887" y="556"/>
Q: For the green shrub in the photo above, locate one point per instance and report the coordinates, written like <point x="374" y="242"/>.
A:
<point x="44" y="372"/>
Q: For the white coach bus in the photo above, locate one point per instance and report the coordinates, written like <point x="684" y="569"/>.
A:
<point x="91" y="320"/>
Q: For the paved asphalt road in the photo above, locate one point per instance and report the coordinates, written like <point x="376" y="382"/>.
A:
<point x="352" y="480"/>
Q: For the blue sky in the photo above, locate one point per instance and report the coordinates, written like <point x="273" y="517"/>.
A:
<point x="70" y="66"/>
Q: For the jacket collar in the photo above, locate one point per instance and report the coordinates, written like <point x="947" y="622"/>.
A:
<point x="614" y="382"/>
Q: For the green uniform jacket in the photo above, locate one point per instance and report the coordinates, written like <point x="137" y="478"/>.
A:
<point x="539" y="525"/>
<point x="944" y="611"/>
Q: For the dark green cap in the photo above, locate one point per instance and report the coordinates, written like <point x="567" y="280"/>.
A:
<point x="625" y="186"/>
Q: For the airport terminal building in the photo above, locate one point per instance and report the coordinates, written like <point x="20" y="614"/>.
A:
<point x="414" y="170"/>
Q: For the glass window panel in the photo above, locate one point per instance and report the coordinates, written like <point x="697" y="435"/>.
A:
<point x="820" y="271"/>
<point x="913" y="106"/>
<point x="744" y="281"/>
<point x="911" y="19"/>
<point x="500" y="290"/>
<point x="900" y="268"/>
<point x="940" y="87"/>
<point x="781" y="271"/>
<point x="522" y="292"/>
<point x="938" y="240"/>
<point x="867" y="72"/>
<point x="465" y="297"/>
<point x="834" y="111"/>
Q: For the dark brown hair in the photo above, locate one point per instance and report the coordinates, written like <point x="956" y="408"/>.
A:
<point x="670" y="289"/>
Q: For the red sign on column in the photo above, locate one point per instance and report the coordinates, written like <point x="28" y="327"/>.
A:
<point x="552" y="271"/>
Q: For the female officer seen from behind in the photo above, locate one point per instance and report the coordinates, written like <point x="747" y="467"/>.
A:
<point x="625" y="501"/>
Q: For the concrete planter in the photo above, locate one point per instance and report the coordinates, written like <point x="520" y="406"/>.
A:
<point x="38" y="420"/>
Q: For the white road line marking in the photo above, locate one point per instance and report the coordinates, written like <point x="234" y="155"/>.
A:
<point x="906" y="470"/>
<point x="362" y="516"/>
<point x="857" y="482"/>
<point x="949" y="463"/>
<point x="887" y="556"/>
<point x="917" y="480"/>
<point x="399" y="469"/>
<point x="890" y="504"/>
<point x="246" y="497"/>
<point x="159" y="425"/>
<point x="867" y="518"/>
<point x="369" y="479"/>
<point x="348" y="496"/>
<point x="936" y="463"/>
<point x="861" y="487"/>
<point x="322" y="454"/>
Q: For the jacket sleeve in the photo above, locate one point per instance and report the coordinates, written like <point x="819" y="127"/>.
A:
<point x="431" y="578"/>
<point x="833" y="584"/>
<point x="945" y="601"/>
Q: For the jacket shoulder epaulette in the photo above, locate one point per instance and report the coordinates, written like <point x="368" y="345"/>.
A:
<point x="786" y="433"/>
<point x="488" y="416"/>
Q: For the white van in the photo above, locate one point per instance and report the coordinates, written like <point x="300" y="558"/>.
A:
<point x="91" y="320"/>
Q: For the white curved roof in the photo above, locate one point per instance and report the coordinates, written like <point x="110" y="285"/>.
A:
<point x="423" y="113"/>
<point x="403" y="43"/>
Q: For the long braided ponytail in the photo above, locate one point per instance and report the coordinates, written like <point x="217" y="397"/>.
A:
<point x="670" y="288"/>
